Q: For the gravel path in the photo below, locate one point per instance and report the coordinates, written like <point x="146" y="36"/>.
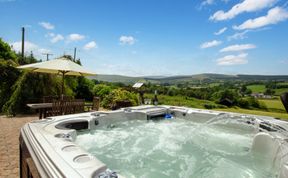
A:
<point x="9" y="144"/>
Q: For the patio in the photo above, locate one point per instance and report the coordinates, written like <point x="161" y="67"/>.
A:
<point x="9" y="144"/>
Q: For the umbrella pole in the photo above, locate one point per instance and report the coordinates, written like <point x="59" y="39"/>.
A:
<point x="62" y="92"/>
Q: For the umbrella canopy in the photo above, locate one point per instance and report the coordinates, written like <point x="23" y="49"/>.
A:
<point x="61" y="66"/>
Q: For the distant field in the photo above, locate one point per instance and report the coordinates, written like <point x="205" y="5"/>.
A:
<point x="257" y="88"/>
<point x="180" y="101"/>
<point x="283" y="83"/>
<point x="279" y="91"/>
<point x="273" y="105"/>
<point x="214" y="84"/>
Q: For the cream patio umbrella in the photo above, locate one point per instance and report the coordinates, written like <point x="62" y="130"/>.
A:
<point x="61" y="66"/>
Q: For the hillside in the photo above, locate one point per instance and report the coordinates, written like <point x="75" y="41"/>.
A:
<point x="187" y="78"/>
<point x="116" y="78"/>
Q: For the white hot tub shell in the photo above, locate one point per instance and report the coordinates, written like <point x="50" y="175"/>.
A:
<point x="54" y="154"/>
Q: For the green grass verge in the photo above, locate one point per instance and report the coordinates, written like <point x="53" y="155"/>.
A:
<point x="257" y="88"/>
<point x="181" y="101"/>
<point x="280" y="91"/>
<point x="274" y="105"/>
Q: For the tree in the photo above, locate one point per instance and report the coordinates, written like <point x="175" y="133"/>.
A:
<point x="101" y="90"/>
<point x="244" y="90"/>
<point x="229" y="94"/>
<point x="8" y="72"/>
<point x="84" y="88"/>
<point x="6" y="52"/>
<point x="269" y="91"/>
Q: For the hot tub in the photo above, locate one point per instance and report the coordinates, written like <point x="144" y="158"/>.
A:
<point x="155" y="141"/>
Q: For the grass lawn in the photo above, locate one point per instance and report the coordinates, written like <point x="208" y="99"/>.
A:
<point x="273" y="105"/>
<point x="181" y="101"/>
<point x="279" y="91"/>
<point x="282" y="116"/>
<point x="257" y="88"/>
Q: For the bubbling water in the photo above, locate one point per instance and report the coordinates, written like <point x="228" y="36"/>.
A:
<point x="176" y="148"/>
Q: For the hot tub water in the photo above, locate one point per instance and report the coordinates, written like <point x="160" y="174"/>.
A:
<point x="178" y="147"/>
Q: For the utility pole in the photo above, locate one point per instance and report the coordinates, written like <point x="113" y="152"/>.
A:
<point x="75" y="49"/>
<point x="47" y="55"/>
<point x="23" y="41"/>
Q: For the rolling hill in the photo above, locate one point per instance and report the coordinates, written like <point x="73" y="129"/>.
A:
<point x="209" y="77"/>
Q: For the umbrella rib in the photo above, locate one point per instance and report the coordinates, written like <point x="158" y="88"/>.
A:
<point x="34" y="69"/>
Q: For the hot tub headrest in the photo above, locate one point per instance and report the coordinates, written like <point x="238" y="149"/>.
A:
<point x="73" y="124"/>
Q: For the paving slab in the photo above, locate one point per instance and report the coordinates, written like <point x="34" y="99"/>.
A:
<point x="9" y="144"/>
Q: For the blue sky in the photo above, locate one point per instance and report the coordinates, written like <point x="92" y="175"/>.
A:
<point x="149" y="37"/>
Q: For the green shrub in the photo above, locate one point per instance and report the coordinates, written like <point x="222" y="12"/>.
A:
<point x="249" y="103"/>
<point x="230" y="94"/>
<point x="253" y="102"/>
<point x="119" y="95"/>
<point x="243" y="103"/>
<point x="84" y="88"/>
<point x="101" y="90"/>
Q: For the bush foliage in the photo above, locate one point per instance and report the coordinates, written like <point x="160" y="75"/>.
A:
<point x="119" y="95"/>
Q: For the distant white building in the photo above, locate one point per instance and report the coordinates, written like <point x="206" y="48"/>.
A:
<point x="261" y="95"/>
<point x="138" y="85"/>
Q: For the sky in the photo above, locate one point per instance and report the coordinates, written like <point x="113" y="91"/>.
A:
<point x="154" y="37"/>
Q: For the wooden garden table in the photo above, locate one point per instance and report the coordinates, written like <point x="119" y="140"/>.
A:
<point x="42" y="107"/>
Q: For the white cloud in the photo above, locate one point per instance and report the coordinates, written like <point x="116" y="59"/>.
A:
<point x="233" y="60"/>
<point x="243" y="34"/>
<point x="245" y="6"/>
<point x="238" y="36"/>
<point x="210" y="44"/>
<point x="222" y="30"/>
<point x="207" y="2"/>
<point x="90" y="45"/>
<point x="129" y="40"/>
<point x="47" y="25"/>
<point x="238" y="47"/>
<point x="55" y="37"/>
<point x="210" y="2"/>
<point x="75" y="37"/>
<point x="29" y="46"/>
<point x="274" y="15"/>
<point x="49" y="35"/>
